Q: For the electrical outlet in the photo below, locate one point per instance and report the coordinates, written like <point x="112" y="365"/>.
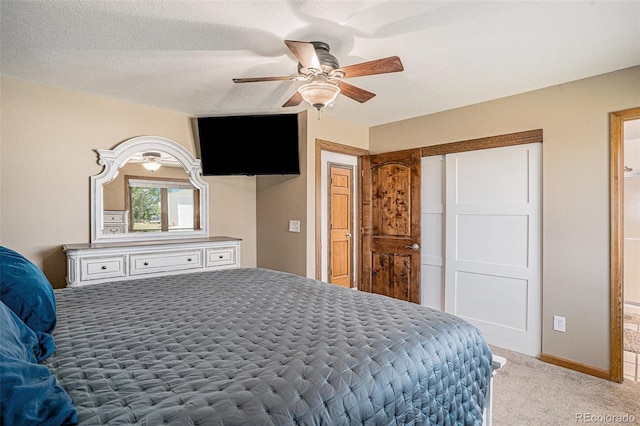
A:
<point x="559" y="323"/>
<point x="294" y="226"/>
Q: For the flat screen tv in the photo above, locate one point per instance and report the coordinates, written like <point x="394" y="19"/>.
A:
<point x="249" y="145"/>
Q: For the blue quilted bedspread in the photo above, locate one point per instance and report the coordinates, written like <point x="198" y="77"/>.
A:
<point x="258" y="347"/>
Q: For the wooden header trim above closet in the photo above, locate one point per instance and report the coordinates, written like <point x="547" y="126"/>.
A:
<point x="530" y="136"/>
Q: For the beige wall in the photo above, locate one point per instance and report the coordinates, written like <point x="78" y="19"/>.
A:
<point x="48" y="137"/>
<point x="280" y="199"/>
<point x="575" y="120"/>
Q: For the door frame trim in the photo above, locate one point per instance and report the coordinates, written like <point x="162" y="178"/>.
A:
<point x="616" y="194"/>
<point x="323" y="145"/>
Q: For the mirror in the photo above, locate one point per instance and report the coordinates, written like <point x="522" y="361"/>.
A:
<point x="150" y="189"/>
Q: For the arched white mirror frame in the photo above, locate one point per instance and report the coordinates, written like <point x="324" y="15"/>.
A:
<point x="114" y="159"/>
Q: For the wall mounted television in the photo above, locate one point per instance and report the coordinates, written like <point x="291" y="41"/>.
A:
<point x="249" y="145"/>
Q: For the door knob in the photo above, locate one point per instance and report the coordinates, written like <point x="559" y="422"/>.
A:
<point x="348" y="235"/>
<point x="414" y="247"/>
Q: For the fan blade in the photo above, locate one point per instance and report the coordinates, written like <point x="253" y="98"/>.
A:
<point x="305" y="53"/>
<point x="255" y="79"/>
<point x="379" y="66"/>
<point x="355" y="93"/>
<point x="293" y="100"/>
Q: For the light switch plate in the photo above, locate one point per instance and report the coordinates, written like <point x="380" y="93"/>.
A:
<point x="294" y="226"/>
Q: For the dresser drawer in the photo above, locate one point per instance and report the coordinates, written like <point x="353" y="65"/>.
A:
<point x="97" y="268"/>
<point x="114" y="229"/>
<point x="115" y="216"/>
<point x="147" y="263"/>
<point x="221" y="256"/>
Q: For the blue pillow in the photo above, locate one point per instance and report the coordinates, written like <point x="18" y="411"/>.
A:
<point x="30" y="394"/>
<point x="26" y="291"/>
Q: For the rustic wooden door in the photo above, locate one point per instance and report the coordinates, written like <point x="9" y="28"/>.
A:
<point x="391" y="224"/>
<point x="340" y="225"/>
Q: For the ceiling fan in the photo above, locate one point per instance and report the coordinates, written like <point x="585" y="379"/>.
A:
<point x="325" y="77"/>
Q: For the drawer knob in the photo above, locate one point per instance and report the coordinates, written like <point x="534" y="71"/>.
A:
<point x="103" y="267"/>
<point x="146" y="263"/>
<point x="189" y="260"/>
<point x="220" y="257"/>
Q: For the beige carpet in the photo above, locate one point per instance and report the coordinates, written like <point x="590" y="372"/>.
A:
<point x="528" y="391"/>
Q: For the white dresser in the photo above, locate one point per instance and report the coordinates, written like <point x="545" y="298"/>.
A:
<point x="94" y="263"/>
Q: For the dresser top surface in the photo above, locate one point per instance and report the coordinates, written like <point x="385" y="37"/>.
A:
<point x="149" y="243"/>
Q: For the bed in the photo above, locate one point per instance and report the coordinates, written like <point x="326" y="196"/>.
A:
<point x="252" y="346"/>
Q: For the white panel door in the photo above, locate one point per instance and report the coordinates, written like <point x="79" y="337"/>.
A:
<point x="432" y="261"/>
<point x="493" y="243"/>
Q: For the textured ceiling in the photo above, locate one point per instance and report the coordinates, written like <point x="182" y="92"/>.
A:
<point x="183" y="55"/>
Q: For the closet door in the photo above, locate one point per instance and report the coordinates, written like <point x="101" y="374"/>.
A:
<point x="493" y="243"/>
<point x="433" y="261"/>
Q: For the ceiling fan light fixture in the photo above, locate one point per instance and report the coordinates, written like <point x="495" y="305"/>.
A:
<point x="319" y="94"/>
<point x="151" y="161"/>
<point x="322" y="71"/>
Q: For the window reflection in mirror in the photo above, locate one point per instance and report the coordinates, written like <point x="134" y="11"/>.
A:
<point x="161" y="204"/>
<point x="160" y="201"/>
